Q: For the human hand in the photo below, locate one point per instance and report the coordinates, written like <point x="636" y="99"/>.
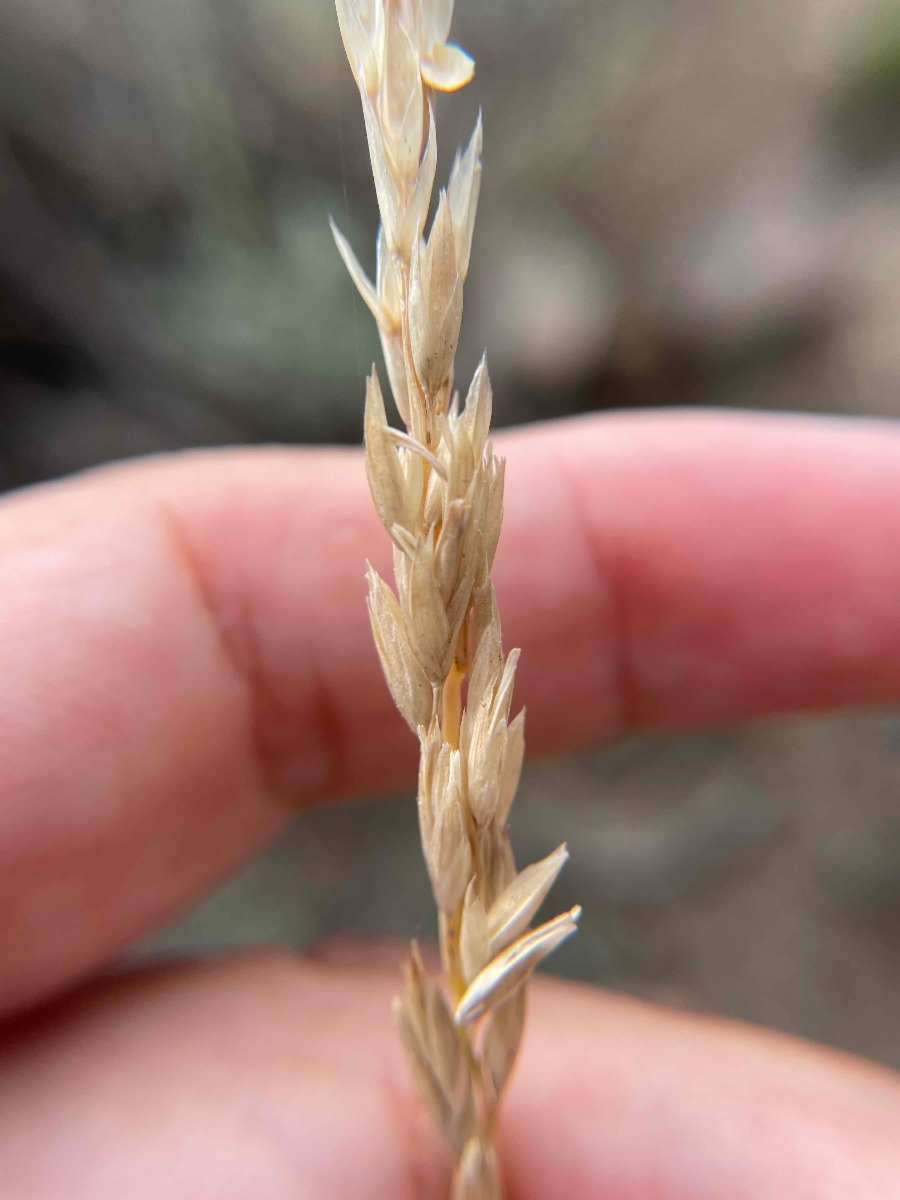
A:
<point x="185" y="658"/>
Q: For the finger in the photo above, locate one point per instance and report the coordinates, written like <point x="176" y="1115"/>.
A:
<point x="245" y="1079"/>
<point x="728" y="566"/>
<point x="633" y="1101"/>
<point x="185" y="651"/>
<point x="279" y="1078"/>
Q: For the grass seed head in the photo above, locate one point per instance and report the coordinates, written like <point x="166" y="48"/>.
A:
<point x="438" y="490"/>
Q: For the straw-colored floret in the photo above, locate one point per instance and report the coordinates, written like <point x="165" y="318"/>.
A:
<point x="438" y="490"/>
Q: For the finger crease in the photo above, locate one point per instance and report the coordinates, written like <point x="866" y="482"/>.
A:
<point x="608" y="584"/>
<point x="243" y="660"/>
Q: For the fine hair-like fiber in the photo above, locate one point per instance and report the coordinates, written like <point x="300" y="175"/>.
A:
<point x="438" y="490"/>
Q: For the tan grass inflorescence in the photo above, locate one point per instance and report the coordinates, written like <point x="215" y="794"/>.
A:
<point x="438" y="489"/>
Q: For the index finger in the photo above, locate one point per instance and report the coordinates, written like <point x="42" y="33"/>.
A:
<point x="185" y="649"/>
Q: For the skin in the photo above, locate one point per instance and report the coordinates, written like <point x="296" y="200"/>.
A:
<point x="186" y="660"/>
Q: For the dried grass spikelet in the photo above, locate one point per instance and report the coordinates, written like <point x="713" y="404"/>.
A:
<point x="463" y="192"/>
<point x="512" y="911"/>
<point x="438" y="490"/>
<point x="506" y="973"/>
<point x="444" y="66"/>
<point x="475" y="934"/>
<point x="494" y="760"/>
<point x="495" y="863"/>
<point x="478" y="1177"/>
<point x="435" y="300"/>
<point x="442" y="819"/>
<point x="408" y="683"/>
<point x="437" y="1054"/>
<point x="502" y="1039"/>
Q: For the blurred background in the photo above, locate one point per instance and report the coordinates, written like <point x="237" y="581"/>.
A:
<point x="685" y="202"/>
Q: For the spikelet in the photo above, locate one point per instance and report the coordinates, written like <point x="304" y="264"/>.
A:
<point x="437" y="1055"/>
<point x="505" y="974"/>
<point x="438" y="490"/>
<point x="478" y="1177"/>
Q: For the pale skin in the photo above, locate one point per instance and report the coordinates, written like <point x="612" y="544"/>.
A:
<point x="186" y="659"/>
